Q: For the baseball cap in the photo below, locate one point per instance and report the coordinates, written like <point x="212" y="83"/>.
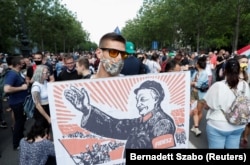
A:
<point x="130" y="47"/>
<point x="153" y="85"/>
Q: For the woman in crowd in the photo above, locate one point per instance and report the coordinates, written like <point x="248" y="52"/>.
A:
<point x="199" y="78"/>
<point x="39" y="93"/>
<point x="36" y="148"/>
<point x="220" y="133"/>
<point x="243" y="60"/>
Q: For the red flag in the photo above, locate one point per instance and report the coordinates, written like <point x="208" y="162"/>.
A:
<point x="245" y="50"/>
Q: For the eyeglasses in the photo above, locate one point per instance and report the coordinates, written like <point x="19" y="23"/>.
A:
<point x="47" y="73"/>
<point x="114" y="53"/>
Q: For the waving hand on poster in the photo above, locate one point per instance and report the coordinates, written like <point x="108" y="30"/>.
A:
<point x="79" y="99"/>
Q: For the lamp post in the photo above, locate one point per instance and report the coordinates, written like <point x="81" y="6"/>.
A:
<point x="25" y="49"/>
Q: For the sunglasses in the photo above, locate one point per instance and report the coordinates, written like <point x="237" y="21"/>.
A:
<point x="114" y="53"/>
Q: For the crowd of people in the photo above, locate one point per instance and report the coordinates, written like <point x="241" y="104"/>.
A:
<point x="117" y="57"/>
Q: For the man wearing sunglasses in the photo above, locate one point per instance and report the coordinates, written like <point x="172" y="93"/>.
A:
<point x="111" y="53"/>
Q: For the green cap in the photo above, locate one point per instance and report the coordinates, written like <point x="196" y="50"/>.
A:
<point x="130" y="47"/>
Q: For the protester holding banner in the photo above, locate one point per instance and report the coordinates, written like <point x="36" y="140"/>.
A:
<point x="154" y="129"/>
<point x="111" y="53"/>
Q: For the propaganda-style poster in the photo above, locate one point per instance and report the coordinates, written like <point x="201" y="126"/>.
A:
<point x="95" y="120"/>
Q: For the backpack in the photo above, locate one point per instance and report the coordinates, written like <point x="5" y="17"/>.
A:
<point x="29" y="105"/>
<point x="2" y="80"/>
<point x="239" y="112"/>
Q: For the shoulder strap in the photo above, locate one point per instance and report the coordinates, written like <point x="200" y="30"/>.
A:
<point x="244" y="88"/>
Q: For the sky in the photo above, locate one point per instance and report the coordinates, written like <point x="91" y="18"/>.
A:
<point x="99" y="17"/>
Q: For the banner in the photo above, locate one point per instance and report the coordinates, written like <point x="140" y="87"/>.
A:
<point x="244" y="51"/>
<point x="95" y="120"/>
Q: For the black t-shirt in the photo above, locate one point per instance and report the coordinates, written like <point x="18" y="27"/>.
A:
<point x="66" y="75"/>
<point x="30" y="70"/>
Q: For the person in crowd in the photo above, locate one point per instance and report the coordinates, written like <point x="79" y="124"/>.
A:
<point x="191" y="65"/>
<point x="39" y="59"/>
<point x="145" y="68"/>
<point x="213" y="62"/>
<point x="3" y="71"/>
<point x="154" y="65"/>
<point x="198" y="78"/>
<point x="145" y="61"/>
<point x="27" y="64"/>
<point x="59" y="66"/>
<point x="182" y="60"/>
<point x="209" y="70"/>
<point x="220" y="133"/>
<point x="39" y="93"/>
<point x="112" y="49"/>
<point x="17" y="89"/>
<point x="172" y="66"/>
<point x="37" y="148"/>
<point x="8" y="109"/>
<point x="243" y="60"/>
<point x="69" y="73"/>
<point x="132" y="65"/>
<point x="111" y="52"/>
<point x="220" y="63"/>
<point x="82" y="67"/>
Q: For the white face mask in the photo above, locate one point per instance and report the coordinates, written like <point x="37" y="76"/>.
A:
<point x="113" y="68"/>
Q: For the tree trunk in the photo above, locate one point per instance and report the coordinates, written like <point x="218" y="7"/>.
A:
<point x="235" y="45"/>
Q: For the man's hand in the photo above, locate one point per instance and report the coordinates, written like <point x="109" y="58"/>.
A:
<point x="79" y="99"/>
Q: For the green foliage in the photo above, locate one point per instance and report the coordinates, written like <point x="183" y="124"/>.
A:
<point x="48" y="25"/>
<point x="202" y="24"/>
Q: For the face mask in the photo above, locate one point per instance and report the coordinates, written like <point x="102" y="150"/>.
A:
<point x="243" y="66"/>
<point x="112" y="68"/>
<point x="38" y="62"/>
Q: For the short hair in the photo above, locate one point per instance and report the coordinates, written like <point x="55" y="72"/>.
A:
<point x="16" y="61"/>
<point x="202" y="62"/>
<point x="238" y="57"/>
<point x="39" y="72"/>
<point x="171" y="65"/>
<point x="68" y="56"/>
<point x="113" y="37"/>
<point x="39" y="128"/>
<point x="9" y="60"/>
<point x="39" y="53"/>
<point x="83" y="61"/>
